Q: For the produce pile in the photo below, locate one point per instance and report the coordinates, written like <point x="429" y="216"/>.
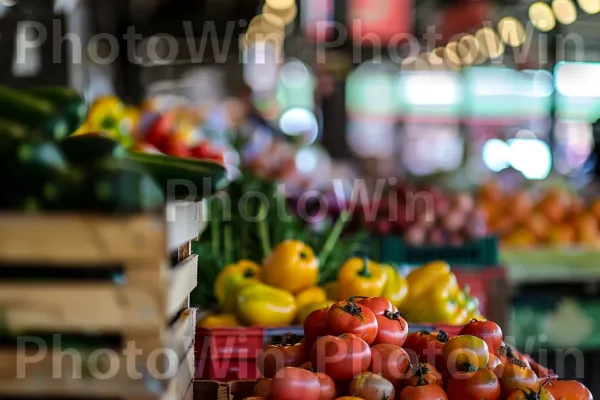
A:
<point x="173" y="132"/>
<point x="362" y="350"/>
<point x="284" y="290"/>
<point x="424" y="216"/>
<point x="552" y="217"/>
<point x="45" y="169"/>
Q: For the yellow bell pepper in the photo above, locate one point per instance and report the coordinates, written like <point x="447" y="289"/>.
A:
<point x="232" y="276"/>
<point x="434" y="295"/>
<point x="106" y="114"/>
<point x="260" y="304"/>
<point x="361" y="277"/>
<point x="310" y="295"/>
<point x="396" y="286"/>
<point x="291" y="266"/>
<point x="308" y="308"/>
<point x="219" y="321"/>
<point x="422" y="279"/>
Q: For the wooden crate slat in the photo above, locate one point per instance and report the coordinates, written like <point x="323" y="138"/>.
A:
<point x="37" y="373"/>
<point x="85" y="239"/>
<point x="178" y="337"/>
<point x="185" y="221"/>
<point x="82" y="307"/>
<point x="183" y="279"/>
<point x="121" y="385"/>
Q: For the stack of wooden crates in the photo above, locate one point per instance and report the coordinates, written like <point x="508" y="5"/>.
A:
<point x="95" y="306"/>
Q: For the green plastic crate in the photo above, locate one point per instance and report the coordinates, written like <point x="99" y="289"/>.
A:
<point x="477" y="254"/>
<point x="566" y="324"/>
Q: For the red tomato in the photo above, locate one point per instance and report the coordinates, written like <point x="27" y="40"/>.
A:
<point x="489" y="331"/>
<point x="160" y="130"/>
<point x="429" y="348"/>
<point x="263" y="388"/>
<point x="341" y="358"/>
<point x="391" y="329"/>
<point x="473" y="385"/>
<point x="292" y="383"/>
<point x="378" y="305"/>
<point x="370" y="386"/>
<point x="425" y="373"/>
<point x="569" y="390"/>
<point x="315" y="326"/>
<point x="464" y="350"/>
<point x="307" y="365"/>
<point x="287" y="354"/>
<point x="507" y="354"/>
<point x="412" y="340"/>
<point x="493" y="362"/>
<point x="327" y="387"/>
<point x="528" y="394"/>
<point x="348" y="317"/>
<point x="349" y="398"/>
<point x="513" y="377"/>
<point x="176" y="147"/>
<point x="423" y="392"/>
<point x="541" y="371"/>
<point x="392" y="362"/>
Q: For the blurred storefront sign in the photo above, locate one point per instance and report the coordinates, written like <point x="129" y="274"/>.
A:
<point x="461" y="17"/>
<point x="498" y="93"/>
<point x="381" y="19"/>
<point x="578" y="91"/>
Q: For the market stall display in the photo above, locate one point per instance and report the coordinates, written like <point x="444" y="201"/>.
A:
<point x="554" y="218"/>
<point x="340" y="357"/>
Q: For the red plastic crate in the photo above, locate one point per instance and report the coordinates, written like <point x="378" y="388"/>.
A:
<point x="243" y="342"/>
<point x="226" y="370"/>
<point x="226" y="354"/>
<point x="479" y="282"/>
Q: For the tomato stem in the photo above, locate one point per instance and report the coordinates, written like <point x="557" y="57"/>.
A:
<point x="393" y="316"/>
<point x="467" y="367"/>
<point x="248" y="273"/>
<point x="353" y="309"/>
<point x="288" y="339"/>
<point x="443" y="337"/>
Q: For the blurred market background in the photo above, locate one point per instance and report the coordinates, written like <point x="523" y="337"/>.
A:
<point x="494" y="117"/>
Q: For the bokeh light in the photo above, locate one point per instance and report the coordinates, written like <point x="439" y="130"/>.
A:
<point x="542" y="17"/>
<point x="286" y="16"/>
<point x="511" y="31"/>
<point x="281" y="4"/>
<point x="436" y="58"/>
<point x="490" y="45"/>
<point x="414" y="64"/>
<point x="565" y="11"/>
<point x="467" y="49"/>
<point x="590" y="6"/>
<point x="451" y="55"/>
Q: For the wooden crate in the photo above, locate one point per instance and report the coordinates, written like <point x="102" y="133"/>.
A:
<point x="98" y="277"/>
<point x="145" y="294"/>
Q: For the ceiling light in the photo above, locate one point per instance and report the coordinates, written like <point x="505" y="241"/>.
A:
<point x="590" y="6"/>
<point x="512" y="31"/>
<point x="565" y="11"/>
<point x="281" y="4"/>
<point x="542" y="17"/>
<point x="287" y="16"/>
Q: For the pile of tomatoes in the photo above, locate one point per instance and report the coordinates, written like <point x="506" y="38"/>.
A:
<point x="362" y="350"/>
